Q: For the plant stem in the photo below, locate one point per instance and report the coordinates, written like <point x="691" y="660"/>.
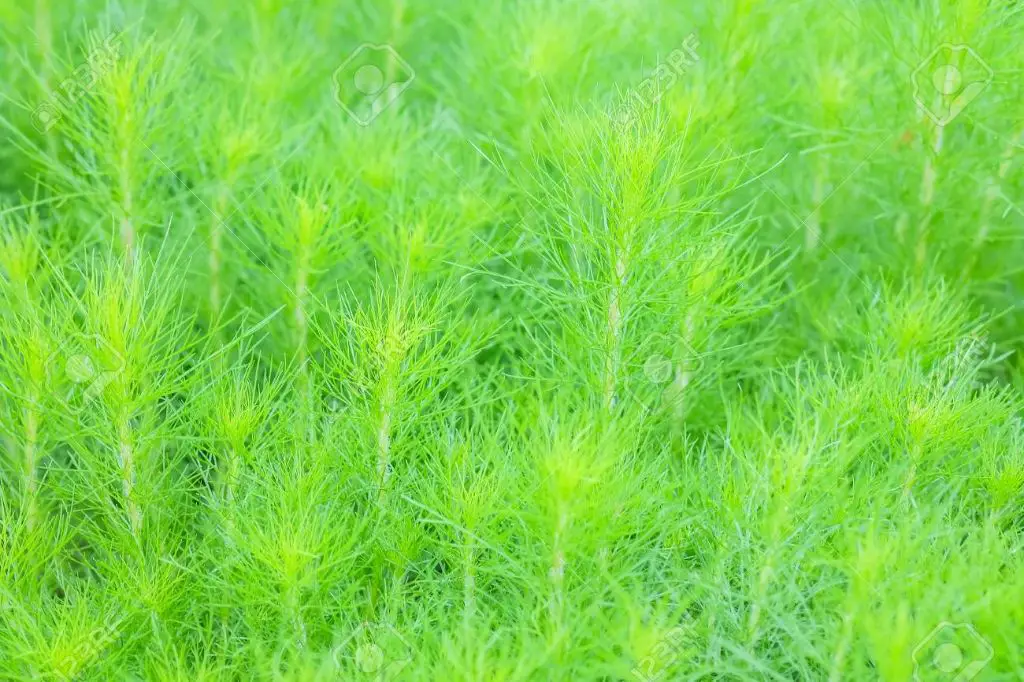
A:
<point x="928" y="181"/>
<point x="301" y="316"/>
<point x="557" y="570"/>
<point x="684" y="374"/>
<point x="228" y="485"/>
<point x="216" y="230"/>
<point x="391" y="68"/>
<point x="991" y="192"/>
<point x="813" y="233"/>
<point x="388" y="386"/>
<point x="908" y="483"/>
<point x="301" y="295"/>
<point x="843" y="648"/>
<point x="384" y="435"/>
<point x="469" y="581"/>
<point x="44" y="34"/>
<point x="31" y="456"/>
<point x="294" y="610"/>
<point x="901" y="227"/>
<point x="763" y="582"/>
<point x="126" y="455"/>
<point x="614" y="333"/>
<point x="127" y="231"/>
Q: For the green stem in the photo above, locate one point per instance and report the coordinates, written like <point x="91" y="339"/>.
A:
<point x="813" y="233"/>
<point x="614" y="334"/>
<point x="31" y="459"/>
<point x="557" y="571"/>
<point x="127" y="228"/>
<point x="216" y="255"/>
<point x="469" y="581"/>
<point x="126" y="458"/>
<point x="991" y="192"/>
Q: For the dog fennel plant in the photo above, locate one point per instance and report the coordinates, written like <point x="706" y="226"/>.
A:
<point x="541" y="374"/>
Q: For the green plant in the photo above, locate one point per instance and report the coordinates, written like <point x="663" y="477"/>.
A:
<point x="543" y="340"/>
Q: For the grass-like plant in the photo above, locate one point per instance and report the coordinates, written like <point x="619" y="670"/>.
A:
<point x="541" y="340"/>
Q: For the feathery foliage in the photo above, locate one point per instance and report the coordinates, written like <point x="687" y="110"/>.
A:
<point x="527" y="340"/>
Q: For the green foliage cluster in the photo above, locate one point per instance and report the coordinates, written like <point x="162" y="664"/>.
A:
<point x="611" y="340"/>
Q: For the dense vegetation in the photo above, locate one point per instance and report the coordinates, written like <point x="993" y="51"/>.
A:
<point x="520" y="340"/>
